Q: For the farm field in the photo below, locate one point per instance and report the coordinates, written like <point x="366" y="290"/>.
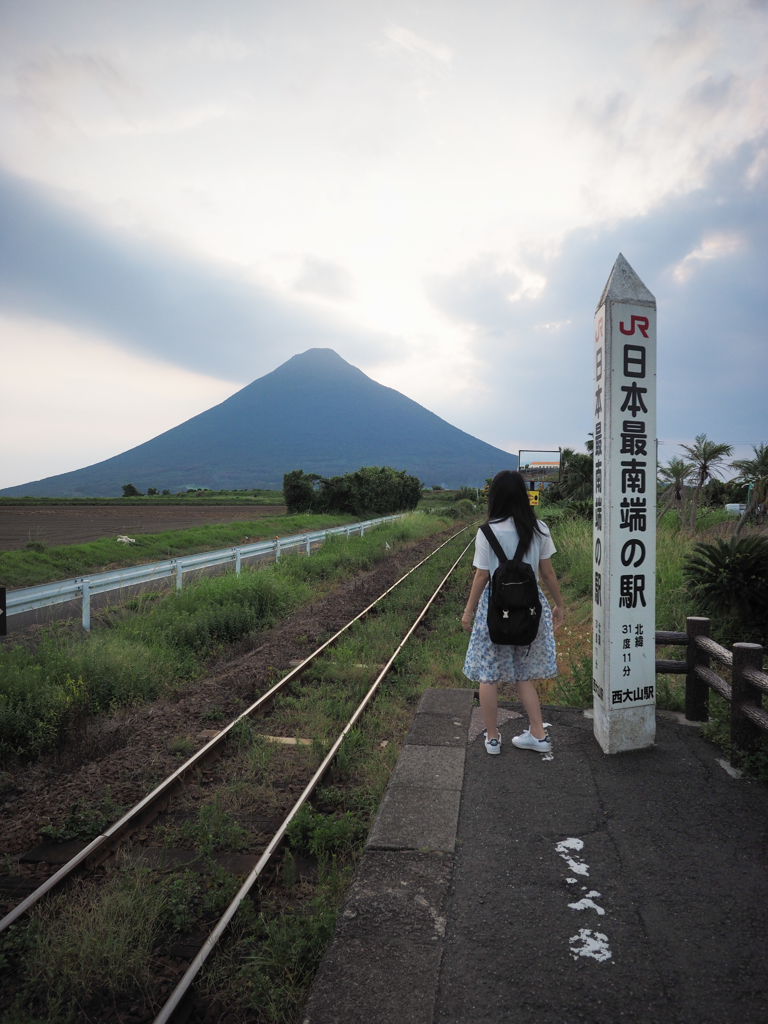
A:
<point x="54" y="525"/>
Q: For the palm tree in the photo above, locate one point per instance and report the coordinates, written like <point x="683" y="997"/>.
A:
<point x="755" y="472"/>
<point x="575" y="474"/>
<point x="705" y="458"/>
<point x="674" y="478"/>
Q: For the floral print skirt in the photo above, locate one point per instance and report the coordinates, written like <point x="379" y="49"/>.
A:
<point x="487" y="662"/>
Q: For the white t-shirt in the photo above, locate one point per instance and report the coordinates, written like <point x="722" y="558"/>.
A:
<point x="542" y="546"/>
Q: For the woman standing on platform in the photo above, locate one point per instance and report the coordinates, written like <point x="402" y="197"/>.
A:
<point x="512" y="519"/>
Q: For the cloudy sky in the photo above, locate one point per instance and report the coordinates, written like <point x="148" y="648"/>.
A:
<point x="192" y="192"/>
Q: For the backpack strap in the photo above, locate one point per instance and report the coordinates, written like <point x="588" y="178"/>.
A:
<point x="498" y="550"/>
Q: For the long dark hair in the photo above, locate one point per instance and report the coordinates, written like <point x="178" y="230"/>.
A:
<point x="508" y="499"/>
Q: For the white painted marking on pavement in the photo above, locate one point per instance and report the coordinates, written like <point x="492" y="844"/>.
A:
<point x="586" y="903"/>
<point x="577" y="866"/>
<point x="586" y="943"/>
<point x="591" y="944"/>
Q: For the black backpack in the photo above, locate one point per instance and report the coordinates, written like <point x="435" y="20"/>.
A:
<point x="514" y="608"/>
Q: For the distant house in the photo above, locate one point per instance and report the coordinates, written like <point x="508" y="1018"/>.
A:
<point x="540" y="470"/>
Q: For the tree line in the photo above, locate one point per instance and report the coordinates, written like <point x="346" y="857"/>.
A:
<point x="684" y="483"/>
<point x="370" y="489"/>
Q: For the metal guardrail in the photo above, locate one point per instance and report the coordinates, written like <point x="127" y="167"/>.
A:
<point x="47" y="594"/>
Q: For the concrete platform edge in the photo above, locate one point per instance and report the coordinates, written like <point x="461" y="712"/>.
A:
<point x="383" y="962"/>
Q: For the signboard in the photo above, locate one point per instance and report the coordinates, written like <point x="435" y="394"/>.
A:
<point x="533" y="497"/>
<point x="624" y="530"/>
<point x="539" y="467"/>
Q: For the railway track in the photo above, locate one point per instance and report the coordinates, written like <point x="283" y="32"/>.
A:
<point x="141" y="816"/>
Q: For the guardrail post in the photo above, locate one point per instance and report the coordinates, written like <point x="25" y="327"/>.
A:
<point x="696" y="691"/>
<point x="309" y="545"/>
<point x="362" y="527"/>
<point x="86" y="604"/>
<point x="237" y="561"/>
<point x="277" y="548"/>
<point x="179" y="573"/>
<point x="745" y="735"/>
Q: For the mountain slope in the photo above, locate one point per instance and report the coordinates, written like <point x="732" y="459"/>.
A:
<point x="315" y="412"/>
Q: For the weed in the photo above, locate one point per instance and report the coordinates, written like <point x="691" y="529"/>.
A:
<point x="268" y="970"/>
<point x="181" y="891"/>
<point x="183" y="746"/>
<point x="214" y="829"/>
<point x="243" y="733"/>
<point x="289" y="870"/>
<point x="576" y="691"/>
<point x="214" y="714"/>
<point x="324" y="835"/>
<point x="718" y="728"/>
<point x="330" y="797"/>
<point x="83" y="821"/>
<point x="670" y="693"/>
<point x="91" y="942"/>
<point x="755" y="764"/>
<point x="9" y="865"/>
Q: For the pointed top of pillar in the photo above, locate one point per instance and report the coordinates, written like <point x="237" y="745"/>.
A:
<point x="623" y="285"/>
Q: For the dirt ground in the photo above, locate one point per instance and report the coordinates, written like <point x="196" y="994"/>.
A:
<point x="66" y="524"/>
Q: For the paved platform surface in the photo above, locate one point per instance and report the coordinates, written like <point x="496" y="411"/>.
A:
<point x="581" y="887"/>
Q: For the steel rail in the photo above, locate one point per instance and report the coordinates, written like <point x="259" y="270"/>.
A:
<point x="147" y="808"/>
<point x="192" y="971"/>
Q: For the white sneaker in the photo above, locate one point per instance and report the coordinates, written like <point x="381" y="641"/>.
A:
<point x="527" y="741"/>
<point x="492" y="746"/>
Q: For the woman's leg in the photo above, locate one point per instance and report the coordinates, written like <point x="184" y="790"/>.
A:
<point x="526" y="691"/>
<point x="489" y="705"/>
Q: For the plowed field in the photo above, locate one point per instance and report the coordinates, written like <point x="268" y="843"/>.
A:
<point x="53" y="525"/>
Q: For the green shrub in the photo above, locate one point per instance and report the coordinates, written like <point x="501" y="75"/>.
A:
<point x="729" y="578"/>
<point x="36" y="713"/>
<point x="466" y="494"/>
<point x="371" y="490"/>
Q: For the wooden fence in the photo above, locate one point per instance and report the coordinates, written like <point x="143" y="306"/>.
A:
<point x="744" y="692"/>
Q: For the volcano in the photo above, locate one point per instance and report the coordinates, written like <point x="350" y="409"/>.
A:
<point x="316" y="412"/>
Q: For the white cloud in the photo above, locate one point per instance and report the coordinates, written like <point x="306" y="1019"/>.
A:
<point x="713" y="247"/>
<point x="71" y="398"/>
<point x="415" y="46"/>
<point x="218" y="46"/>
<point x="325" y="278"/>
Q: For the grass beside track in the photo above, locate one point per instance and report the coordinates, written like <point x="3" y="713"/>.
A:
<point x="80" y="954"/>
<point x="28" y="568"/>
<point x="158" y="641"/>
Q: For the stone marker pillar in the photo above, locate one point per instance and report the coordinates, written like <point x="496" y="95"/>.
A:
<point x="624" y="533"/>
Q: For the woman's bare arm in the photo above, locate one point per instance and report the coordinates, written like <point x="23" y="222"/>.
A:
<point x="478" y="586"/>
<point x="550" y="582"/>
